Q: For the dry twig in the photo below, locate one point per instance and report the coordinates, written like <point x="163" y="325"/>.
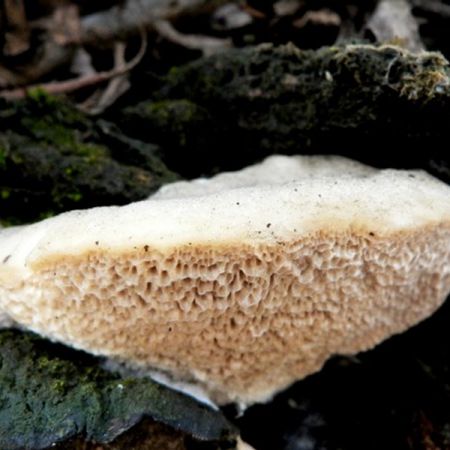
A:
<point x="133" y="15"/>
<point x="66" y="24"/>
<point x="321" y="17"/>
<point x="117" y="86"/>
<point x="68" y="86"/>
<point x="59" y="44"/>
<point x="207" y="44"/>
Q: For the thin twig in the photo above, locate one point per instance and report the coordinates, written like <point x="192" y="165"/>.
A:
<point x="207" y="44"/>
<point x="66" y="23"/>
<point x="68" y="86"/>
<point x="117" y="86"/>
<point x="132" y="15"/>
<point x="114" y="24"/>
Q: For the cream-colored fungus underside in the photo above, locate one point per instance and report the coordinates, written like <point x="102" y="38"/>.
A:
<point x="241" y="290"/>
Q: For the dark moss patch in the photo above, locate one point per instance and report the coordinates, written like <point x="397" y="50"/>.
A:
<point x="39" y="180"/>
<point x="53" y="158"/>
<point x="184" y="130"/>
<point x="49" y="393"/>
<point x="141" y="154"/>
<point x="363" y="101"/>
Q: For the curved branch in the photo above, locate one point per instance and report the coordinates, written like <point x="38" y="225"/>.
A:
<point x="68" y="86"/>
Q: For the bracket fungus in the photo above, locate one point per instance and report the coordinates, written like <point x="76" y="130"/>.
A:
<point x="241" y="284"/>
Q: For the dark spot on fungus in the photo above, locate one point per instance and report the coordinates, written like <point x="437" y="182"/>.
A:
<point x="96" y="242"/>
<point x="5" y="260"/>
<point x="268" y="225"/>
<point x="146" y="248"/>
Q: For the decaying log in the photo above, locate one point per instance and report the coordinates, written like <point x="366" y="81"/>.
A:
<point x="359" y="100"/>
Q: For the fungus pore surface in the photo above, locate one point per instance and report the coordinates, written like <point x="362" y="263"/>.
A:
<point x="241" y="284"/>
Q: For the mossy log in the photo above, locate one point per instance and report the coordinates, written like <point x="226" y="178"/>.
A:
<point x="53" y="158"/>
<point x="50" y="394"/>
<point x="363" y="101"/>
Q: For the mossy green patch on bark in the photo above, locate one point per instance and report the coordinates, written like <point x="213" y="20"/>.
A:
<point x="2" y="158"/>
<point x="38" y="180"/>
<point x="49" y="394"/>
<point x="255" y="75"/>
<point x="185" y="130"/>
<point x="359" y="100"/>
<point x="53" y="158"/>
<point x="134" y="152"/>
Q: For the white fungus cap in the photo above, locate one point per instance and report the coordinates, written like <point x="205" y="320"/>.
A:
<point x="240" y="284"/>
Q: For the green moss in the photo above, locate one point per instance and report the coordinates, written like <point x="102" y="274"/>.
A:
<point x="40" y="178"/>
<point x="46" y="214"/>
<point x="49" y="393"/>
<point x="279" y="99"/>
<point x="64" y="111"/>
<point x="44" y="129"/>
<point x="53" y="158"/>
<point x="181" y="127"/>
<point x="242" y="77"/>
<point x="2" y="158"/>
<point x="171" y="120"/>
<point x="8" y="222"/>
<point x="39" y="95"/>
<point x="184" y="110"/>
<point x="5" y="193"/>
<point x="74" y="196"/>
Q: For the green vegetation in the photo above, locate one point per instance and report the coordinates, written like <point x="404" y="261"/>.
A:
<point x="358" y="100"/>
<point x="49" y="393"/>
<point x="53" y="158"/>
